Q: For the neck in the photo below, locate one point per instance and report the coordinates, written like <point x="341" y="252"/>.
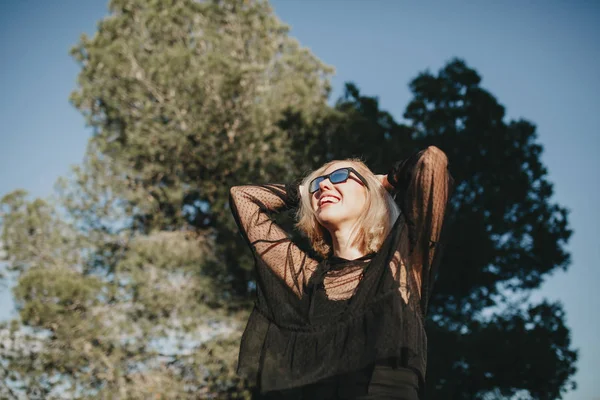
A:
<point x="342" y="244"/>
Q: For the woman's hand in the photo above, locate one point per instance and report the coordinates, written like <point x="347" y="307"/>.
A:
<point x="384" y="182"/>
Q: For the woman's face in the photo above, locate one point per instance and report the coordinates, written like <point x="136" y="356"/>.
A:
<point x="340" y="204"/>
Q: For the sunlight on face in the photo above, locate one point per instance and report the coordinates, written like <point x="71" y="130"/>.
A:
<point x="339" y="205"/>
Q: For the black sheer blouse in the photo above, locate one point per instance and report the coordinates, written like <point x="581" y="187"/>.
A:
<point x="313" y="320"/>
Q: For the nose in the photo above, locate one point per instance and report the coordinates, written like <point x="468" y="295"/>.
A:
<point x="325" y="184"/>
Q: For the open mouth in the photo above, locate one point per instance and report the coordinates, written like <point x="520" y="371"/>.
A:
<point x="328" y="199"/>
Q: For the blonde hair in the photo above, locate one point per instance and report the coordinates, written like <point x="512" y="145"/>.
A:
<point x="372" y="226"/>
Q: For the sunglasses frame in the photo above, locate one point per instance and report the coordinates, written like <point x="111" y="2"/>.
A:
<point x="328" y="176"/>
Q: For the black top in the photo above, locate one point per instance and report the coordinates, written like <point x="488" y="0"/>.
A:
<point x="313" y="320"/>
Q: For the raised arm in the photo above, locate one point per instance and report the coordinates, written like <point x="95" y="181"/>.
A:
<point x="252" y="207"/>
<point x="422" y="184"/>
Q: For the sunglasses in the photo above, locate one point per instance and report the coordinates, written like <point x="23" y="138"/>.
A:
<point x="340" y="175"/>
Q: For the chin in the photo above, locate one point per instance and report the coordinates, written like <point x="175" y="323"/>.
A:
<point x="329" y="217"/>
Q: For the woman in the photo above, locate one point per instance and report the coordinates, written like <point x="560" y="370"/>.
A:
<point x="349" y="326"/>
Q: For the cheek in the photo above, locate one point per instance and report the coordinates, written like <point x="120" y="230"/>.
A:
<point x="313" y="202"/>
<point x="360" y="204"/>
<point x="357" y="200"/>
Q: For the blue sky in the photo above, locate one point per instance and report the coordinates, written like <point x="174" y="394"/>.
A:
<point x="540" y="59"/>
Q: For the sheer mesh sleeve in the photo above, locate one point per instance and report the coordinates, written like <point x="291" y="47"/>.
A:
<point x="252" y="207"/>
<point x="423" y="184"/>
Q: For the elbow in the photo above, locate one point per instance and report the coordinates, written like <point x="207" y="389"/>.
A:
<point x="234" y="193"/>
<point x="435" y="155"/>
<point x="239" y="194"/>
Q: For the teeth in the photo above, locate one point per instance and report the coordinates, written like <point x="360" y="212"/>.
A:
<point x="329" y="199"/>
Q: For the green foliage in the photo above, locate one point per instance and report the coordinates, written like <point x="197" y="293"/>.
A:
<point x="187" y="97"/>
<point x="133" y="282"/>
<point x="505" y="235"/>
<point x="506" y="232"/>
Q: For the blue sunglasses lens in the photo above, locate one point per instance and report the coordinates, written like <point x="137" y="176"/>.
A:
<point x="337" y="176"/>
<point x="314" y="185"/>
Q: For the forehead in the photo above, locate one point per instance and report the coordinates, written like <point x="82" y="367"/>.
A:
<point x="336" y="165"/>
